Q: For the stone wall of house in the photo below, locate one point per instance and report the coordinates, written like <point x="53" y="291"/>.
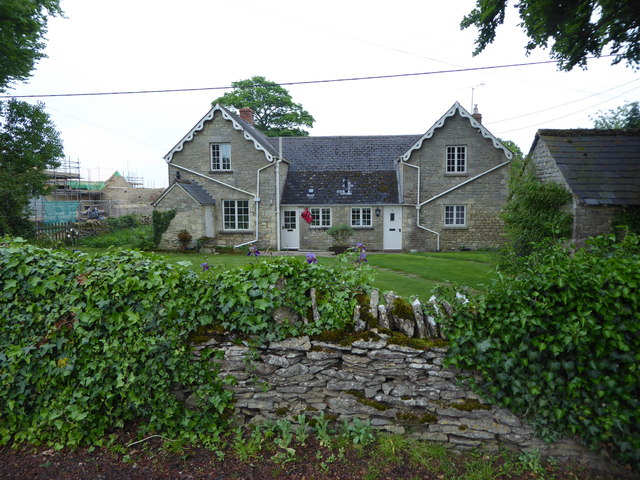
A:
<point x="484" y="198"/>
<point x="246" y="161"/>
<point x="546" y="168"/>
<point x="189" y="217"/>
<point x="591" y="221"/>
<point x="399" y="389"/>
<point x="316" y="238"/>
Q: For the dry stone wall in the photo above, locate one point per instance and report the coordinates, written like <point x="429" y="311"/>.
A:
<point x="400" y="389"/>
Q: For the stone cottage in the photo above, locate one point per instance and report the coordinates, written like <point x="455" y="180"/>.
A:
<point x="441" y="190"/>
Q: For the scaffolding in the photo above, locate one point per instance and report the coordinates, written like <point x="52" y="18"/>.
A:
<point x="61" y="178"/>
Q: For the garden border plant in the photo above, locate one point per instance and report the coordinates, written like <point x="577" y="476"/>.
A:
<point x="89" y="344"/>
<point x="560" y="343"/>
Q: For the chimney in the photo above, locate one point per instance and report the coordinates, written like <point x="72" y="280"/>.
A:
<point x="476" y="115"/>
<point x="246" y="114"/>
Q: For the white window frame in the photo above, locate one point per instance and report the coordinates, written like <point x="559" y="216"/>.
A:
<point x="455" y="216"/>
<point x="235" y="215"/>
<point x="456" y="159"/>
<point x="220" y="157"/>
<point x="321" y="217"/>
<point x="359" y="217"/>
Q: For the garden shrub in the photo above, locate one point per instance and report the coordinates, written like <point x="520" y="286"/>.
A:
<point x="247" y="297"/>
<point x="533" y="213"/>
<point x="560" y="343"/>
<point x="90" y="343"/>
<point x="160" y="220"/>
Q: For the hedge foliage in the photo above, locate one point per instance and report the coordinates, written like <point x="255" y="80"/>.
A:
<point x="88" y="344"/>
<point x="560" y="343"/>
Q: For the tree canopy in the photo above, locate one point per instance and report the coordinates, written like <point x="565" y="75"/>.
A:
<point x="625" y="116"/>
<point x="274" y="112"/>
<point x="23" y="24"/>
<point x="29" y="144"/>
<point x="577" y="28"/>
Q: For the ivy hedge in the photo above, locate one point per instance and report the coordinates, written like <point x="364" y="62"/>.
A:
<point x="89" y="344"/>
<point x="560" y="343"/>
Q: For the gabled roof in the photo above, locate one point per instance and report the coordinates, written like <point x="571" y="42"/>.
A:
<point x="601" y="167"/>
<point x="260" y="141"/>
<point x="457" y="109"/>
<point x="342" y="170"/>
<point x="198" y="194"/>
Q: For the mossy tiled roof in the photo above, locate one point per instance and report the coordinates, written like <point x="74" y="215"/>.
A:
<point x="602" y="167"/>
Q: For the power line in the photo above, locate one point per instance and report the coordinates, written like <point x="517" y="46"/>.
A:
<point x="307" y="82"/>
<point x="569" y="103"/>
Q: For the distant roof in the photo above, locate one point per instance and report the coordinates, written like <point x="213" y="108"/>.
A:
<point x="343" y="170"/>
<point x="602" y="167"/>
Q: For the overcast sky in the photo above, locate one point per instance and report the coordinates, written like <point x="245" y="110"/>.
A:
<point x="133" y="45"/>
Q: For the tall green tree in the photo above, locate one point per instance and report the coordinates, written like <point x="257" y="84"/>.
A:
<point x="625" y="116"/>
<point x="274" y="112"/>
<point x="576" y="28"/>
<point x="29" y="144"/>
<point x="23" y="24"/>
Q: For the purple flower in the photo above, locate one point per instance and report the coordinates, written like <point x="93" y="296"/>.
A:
<point x="205" y="266"/>
<point x="253" y="250"/>
<point x="311" y="258"/>
<point x="362" y="258"/>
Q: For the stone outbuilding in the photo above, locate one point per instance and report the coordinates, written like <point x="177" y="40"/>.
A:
<point x="601" y="169"/>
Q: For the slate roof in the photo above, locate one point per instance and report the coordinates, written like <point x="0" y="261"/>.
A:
<point x="602" y="167"/>
<point x="195" y="191"/>
<point x="343" y="170"/>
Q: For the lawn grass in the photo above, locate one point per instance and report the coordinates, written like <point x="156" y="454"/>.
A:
<point x="472" y="269"/>
<point x="408" y="275"/>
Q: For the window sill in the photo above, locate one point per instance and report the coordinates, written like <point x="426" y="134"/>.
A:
<point x="320" y="227"/>
<point x="456" y="174"/>
<point x="234" y="231"/>
<point x="456" y="227"/>
<point x="220" y="171"/>
<point x="364" y="227"/>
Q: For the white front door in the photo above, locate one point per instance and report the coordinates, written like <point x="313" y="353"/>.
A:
<point x="392" y="239"/>
<point x="290" y="238"/>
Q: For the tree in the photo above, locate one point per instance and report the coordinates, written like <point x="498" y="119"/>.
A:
<point x="625" y="116"/>
<point x="23" y="23"/>
<point x="29" y="144"/>
<point x="578" y="28"/>
<point x="274" y="112"/>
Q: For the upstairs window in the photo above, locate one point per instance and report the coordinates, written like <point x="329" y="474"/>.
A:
<point x="455" y="216"/>
<point x="220" y="156"/>
<point x="236" y="214"/>
<point x="361" y="217"/>
<point x="321" y="217"/>
<point x="457" y="159"/>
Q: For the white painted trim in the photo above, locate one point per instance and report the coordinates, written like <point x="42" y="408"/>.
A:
<point x="200" y="125"/>
<point x="456" y="109"/>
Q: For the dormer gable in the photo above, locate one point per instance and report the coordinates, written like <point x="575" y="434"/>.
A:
<point x="249" y="132"/>
<point x="457" y="109"/>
